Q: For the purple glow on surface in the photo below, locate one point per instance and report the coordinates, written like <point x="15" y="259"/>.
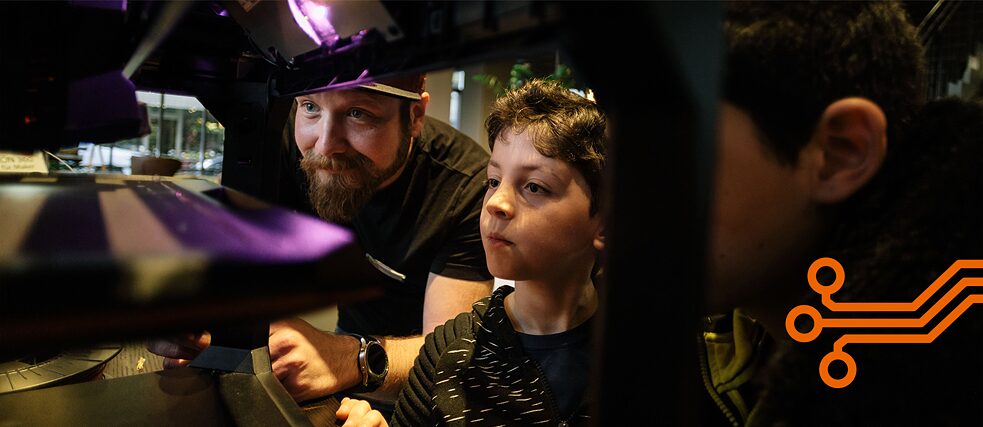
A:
<point x="264" y="235"/>
<point x="293" y="237"/>
<point x="119" y="5"/>
<point x="215" y="229"/>
<point x="313" y="18"/>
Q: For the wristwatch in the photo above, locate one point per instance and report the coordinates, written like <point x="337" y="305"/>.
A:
<point x="373" y="363"/>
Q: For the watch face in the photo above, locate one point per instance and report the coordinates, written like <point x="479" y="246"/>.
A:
<point x="376" y="360"/>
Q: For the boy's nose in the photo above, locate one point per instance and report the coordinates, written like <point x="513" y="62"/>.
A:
<point x="500" y="203"/>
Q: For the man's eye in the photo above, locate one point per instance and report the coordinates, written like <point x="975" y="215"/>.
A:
<point x="356" y="113"/>
<point x="535" y="188"/>
<point x="493" y="183"/>
<point x="309" y="107"/>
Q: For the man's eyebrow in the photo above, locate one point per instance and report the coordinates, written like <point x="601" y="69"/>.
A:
<point x="354" y="96"/>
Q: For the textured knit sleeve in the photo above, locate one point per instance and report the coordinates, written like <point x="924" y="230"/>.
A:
<point x="415" y="405"/>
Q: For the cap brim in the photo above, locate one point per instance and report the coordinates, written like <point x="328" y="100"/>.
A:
<point x="390" y="90"/>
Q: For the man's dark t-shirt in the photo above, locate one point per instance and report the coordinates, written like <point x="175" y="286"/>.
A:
<point x="424" y="222"/>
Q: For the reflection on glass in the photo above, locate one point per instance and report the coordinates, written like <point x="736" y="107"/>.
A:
<point x="185" y="131"/>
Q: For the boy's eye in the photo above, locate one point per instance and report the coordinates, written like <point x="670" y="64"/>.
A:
<point x="309" y="107"/>
<point x="493" y="183"/>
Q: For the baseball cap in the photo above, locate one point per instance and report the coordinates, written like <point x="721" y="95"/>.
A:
<point x="409" y="86"/>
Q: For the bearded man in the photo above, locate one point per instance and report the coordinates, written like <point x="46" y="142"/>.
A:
<point x="411" y="188"/>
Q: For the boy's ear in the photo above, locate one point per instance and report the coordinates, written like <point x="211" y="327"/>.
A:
<point x="417" y="112"/>
<point x="851" y="139"/>
<point x="599" y="239"/>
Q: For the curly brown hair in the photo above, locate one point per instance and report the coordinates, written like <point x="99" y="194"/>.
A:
<point x="567" y="127"/>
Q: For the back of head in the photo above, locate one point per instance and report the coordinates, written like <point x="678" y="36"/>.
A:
<point x="920" y="213"/>
<point x="788" y="61"/>
<point x="565" y="126"/>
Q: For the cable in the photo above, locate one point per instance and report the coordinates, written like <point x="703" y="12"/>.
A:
<point x="70" y="168"/>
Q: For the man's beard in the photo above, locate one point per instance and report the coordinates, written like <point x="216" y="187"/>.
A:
<point x="340" y="196"/>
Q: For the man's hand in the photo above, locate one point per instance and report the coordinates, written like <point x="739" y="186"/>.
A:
<point x="181" y="350"/>
<point x="311" y="363"/>
<point x="358" y="413"/>
<point x="308" y="362"/>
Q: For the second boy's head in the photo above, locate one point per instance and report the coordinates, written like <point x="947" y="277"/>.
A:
<point x="541" y="213"/>
<point x="813" y="95"/>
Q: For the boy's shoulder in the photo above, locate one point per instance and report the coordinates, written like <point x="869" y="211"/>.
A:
<point x="481" y="308"/>
<point x="466" y="326"/>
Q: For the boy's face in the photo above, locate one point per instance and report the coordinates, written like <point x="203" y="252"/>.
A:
<point x="353" y="143"/>
<point x="763" y="221"/>
<point x="536" y="222"/>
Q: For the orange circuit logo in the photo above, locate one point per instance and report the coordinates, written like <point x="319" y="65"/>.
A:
<point x="881" y="307"/>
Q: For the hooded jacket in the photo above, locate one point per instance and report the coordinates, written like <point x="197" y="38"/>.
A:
<point x="473" y="371"/>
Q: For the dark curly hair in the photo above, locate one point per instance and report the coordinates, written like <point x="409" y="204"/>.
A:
<point x="566" y="126"/>
<point x="787" y="62"/>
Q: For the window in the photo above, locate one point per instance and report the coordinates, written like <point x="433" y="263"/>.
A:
<point x="457" y="86"/>
<point x="185" y="131"/>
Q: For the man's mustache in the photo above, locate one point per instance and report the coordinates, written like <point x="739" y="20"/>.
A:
<point x="313" y="161"/>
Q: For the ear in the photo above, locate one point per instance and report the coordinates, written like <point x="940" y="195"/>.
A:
<point x="418" y="110"/>
<point x="599" y="238"/>
<point x="851" y="138"/>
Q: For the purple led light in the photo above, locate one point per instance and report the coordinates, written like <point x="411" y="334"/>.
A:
<point x="302" y="22"/>
<point x="219" y="10"/>
<point x="313" y="17"/>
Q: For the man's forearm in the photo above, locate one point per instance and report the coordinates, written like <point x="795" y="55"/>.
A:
<point x="402" y="351"/>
